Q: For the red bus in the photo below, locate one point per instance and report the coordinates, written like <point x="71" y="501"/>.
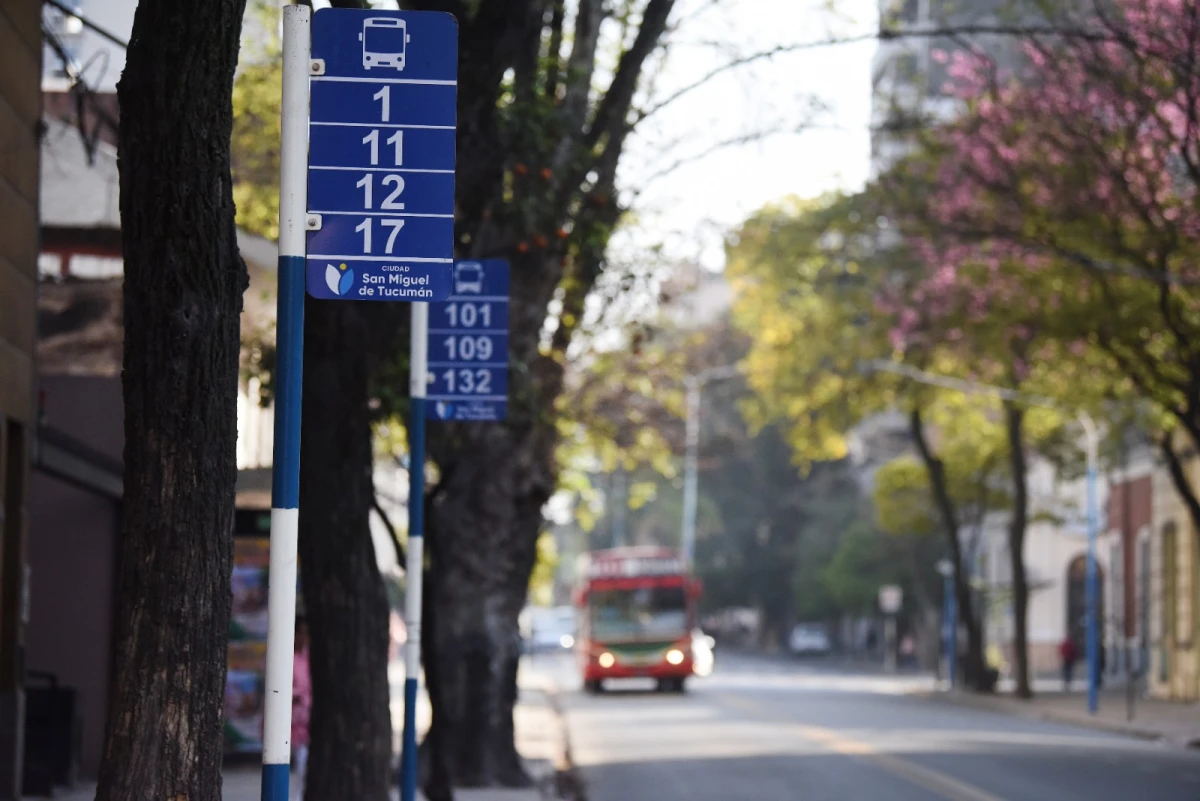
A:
<point x="637" y="609"/>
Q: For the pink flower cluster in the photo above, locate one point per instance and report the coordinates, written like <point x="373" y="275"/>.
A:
<point x="1093" y="146"/>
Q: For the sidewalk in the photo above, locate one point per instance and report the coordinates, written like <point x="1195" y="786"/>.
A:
<point x="1170" y="722"/>
<point x="540" y="739"/>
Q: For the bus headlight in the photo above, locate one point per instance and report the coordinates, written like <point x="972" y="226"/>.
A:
<point x="606" y="660"/>
<point x="675" y="656"/>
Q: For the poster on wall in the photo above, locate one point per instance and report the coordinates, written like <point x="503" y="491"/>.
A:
<point x="248" y="622"/>
<point x="244" y="697"/>
<point x="245" y="683"/>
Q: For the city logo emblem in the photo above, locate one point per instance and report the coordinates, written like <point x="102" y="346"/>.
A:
<point x="339" y="279"/>
<point x="444" y="410"/>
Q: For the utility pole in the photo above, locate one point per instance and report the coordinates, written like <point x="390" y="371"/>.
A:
<point x="949" y="619"/>
<point x="693" y="383"/>
<point x="620" y="506"/>
<point x="1092" y="436"/>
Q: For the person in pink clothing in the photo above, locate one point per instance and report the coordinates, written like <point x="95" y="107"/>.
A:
<point x="301" y="705"/>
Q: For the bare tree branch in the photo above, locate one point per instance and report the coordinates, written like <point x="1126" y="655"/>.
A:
<point x="884" y="35"/>
<point x="401" y="557"/>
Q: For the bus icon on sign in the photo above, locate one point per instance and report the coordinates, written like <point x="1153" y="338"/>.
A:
<point x="468" y="277"/>
<point x="384" y="40"/>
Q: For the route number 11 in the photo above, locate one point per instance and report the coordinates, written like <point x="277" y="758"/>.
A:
<point x="396" y="140"/>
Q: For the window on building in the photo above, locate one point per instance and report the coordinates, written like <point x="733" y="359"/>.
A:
<point x="1143" y="589"/>
<point x="1117" y="592"/>
<point x="1170" y="579"/>
<point x="64" y="33"/>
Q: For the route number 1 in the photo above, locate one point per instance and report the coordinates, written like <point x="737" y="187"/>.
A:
<point x="384" y="96"/>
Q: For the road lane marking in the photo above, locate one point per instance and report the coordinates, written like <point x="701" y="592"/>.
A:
<point x="947" y="787"/>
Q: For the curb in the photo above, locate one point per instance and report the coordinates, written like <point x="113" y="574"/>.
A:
<point x="563" y="783"/>
<point x="1014" y="708"/>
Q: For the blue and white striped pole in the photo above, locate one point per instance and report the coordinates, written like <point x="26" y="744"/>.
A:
<point x="1091" y="589"/>
<point x="417" y="388"/>
<point x="289" y="344"/>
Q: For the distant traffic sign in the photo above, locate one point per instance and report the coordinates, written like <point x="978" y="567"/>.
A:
<point x="468" y="344"/>
<point x="381" y="155"/>
<point x="891" y="598"/>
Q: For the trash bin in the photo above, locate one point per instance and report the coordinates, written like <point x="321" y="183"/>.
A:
<point x="52" y="735"/>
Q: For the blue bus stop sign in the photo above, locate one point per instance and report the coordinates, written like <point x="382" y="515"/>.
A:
<point x="381" y="155"/>
<point x="468" y="344"/>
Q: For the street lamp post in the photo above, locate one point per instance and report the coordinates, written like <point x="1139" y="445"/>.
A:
<point x="950" y="619"/>
<point x="693" y="383"/>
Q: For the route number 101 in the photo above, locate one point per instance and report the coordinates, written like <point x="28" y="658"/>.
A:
<point x="468" y="315"/>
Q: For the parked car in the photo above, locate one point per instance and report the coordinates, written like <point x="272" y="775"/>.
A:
<point x="809" y="639"/>
<point x="548" y="629"/>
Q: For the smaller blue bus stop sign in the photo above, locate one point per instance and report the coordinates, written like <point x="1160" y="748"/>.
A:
<point x="468" y="344"/>
<point x="381" y="155"/>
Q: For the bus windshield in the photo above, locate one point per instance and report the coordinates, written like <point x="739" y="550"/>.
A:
<point x="384" y="39"/>
<point x="642" y="613"/>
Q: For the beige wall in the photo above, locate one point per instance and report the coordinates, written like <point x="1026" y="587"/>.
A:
<point x="1175" y="586"/>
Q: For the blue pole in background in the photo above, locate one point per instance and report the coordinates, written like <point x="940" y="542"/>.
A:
<point x="1093" y="639"/>
<point x="951" y="630"/>
<point x="285" y="470"/>
<point x="415" y="557"/>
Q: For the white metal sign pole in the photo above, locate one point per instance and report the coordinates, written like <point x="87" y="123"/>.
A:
<point x="285" y="486"/>
<point x="418" y="385"/>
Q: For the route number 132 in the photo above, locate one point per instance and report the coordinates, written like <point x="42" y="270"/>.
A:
<point x="468" y="382"/>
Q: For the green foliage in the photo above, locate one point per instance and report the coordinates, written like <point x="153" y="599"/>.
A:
<point x="863" y="562"/>
<point x="541" y="582"/>
<point x="257" y="98"/>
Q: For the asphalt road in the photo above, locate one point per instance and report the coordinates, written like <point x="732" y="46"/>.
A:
<point x="770" y="731"/>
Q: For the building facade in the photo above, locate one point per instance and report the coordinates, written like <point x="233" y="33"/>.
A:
<point x="20" y="113"/>
<point x="1173" y="669"/>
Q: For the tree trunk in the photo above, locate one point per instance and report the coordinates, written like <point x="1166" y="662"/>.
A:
<point x="183" y="292"/>
<point x="1017" y="524"/>
<point x="974" y="664"/>
<point x="344" y="596"/>
<point x="484" y="516"/>
<point x="1177" y="467"/>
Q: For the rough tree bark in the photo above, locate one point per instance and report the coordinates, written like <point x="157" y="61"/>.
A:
<point x="344" y="596"/>
<point x="973" y="670"/>
<point x="183" y="292"/>
<point x="1018" y="522"/>
<point x="539" y="191"/>
<point x="484" y="517"/>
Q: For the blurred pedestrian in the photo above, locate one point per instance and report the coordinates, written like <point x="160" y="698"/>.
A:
<point x="1068" y="652"/>
<point x="301" y="705"/>
<point x="908" y="651"/>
